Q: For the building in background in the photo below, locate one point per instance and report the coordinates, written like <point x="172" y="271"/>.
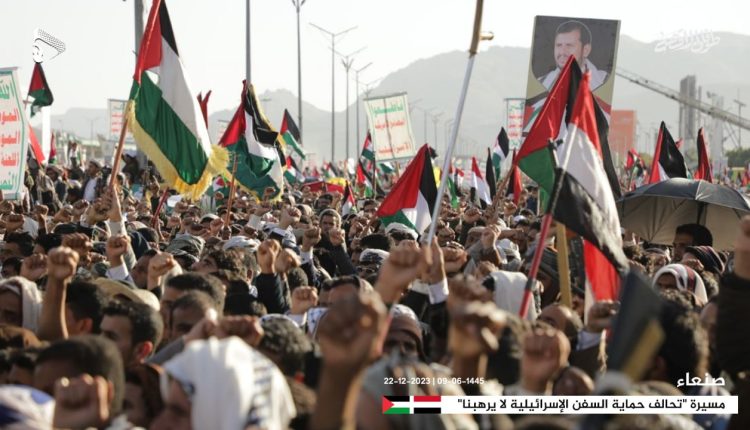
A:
<point x="622" y="135"/>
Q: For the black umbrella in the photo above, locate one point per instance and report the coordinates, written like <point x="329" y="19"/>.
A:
<point x="654" y="211"/>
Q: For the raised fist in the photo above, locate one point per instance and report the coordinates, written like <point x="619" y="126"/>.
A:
<point x="61" y="264"/>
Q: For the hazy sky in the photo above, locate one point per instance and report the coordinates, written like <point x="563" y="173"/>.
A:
<point x="99" y="60"/>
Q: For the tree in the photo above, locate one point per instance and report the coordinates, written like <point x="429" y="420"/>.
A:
<point x="738" y="157"/>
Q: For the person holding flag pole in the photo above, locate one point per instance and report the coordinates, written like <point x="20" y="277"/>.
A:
<point x="476" y="37"/>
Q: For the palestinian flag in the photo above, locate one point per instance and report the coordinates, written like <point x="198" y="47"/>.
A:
<point x="500" y="151"/>
<point x="348" y="201"/>
<point x="514" y="182"/>
<point x="36" y="148"/>
<point x="290" y="133"/>
<point x="704" y="170"/>
<point x="633" y="161"/>
<point x="203" y="102"/>
<point x="53" y="149"/>
<point x="479" y="184"/>
<point x="164" y="116"/>
<point x="364" y="179"/>
<point x="386" y="168"/>
<point x="368" y="152"/>
<point x="412" y="199"/>
<point x="407" y="405"/>
<point x="253" y="144"/>
<point x="586" y="204"/>
<point x="668" y="161"/>
<point x="452" y="189"/>
<point x="489" y="175"/>
<point x="328" y="171"/>
<point x="292" y="174"/>
<point x="39" y="90"/>
<point x="534" y="157"/>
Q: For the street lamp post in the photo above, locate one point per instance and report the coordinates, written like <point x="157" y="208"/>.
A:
<point x="435" y="120"/>
<point x="448" y="128"/>
<point x="740" y="105"/>
<point x="333" y="81"/>
<point x="356" y="83"/>
<point x="426" y="113"/>
<point x="297" y="6"/>
<point x="348" y="60"/>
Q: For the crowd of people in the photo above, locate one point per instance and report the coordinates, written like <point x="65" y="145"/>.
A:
<point x="276" y="314"/>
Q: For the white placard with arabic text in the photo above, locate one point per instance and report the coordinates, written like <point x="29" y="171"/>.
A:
<point x="13" y="135"/>
<point x="390" y="127"/>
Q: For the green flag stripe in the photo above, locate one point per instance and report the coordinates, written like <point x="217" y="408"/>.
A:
<point x="398" y="411"/>
<point x="178" y="144"/>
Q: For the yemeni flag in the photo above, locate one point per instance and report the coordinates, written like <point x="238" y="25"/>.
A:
<point x="534" y="157"/>
<point x="704" y="170"/>
<point x="489" y="175"/>
<point x="349" y="202"/>
<point x="292" y="174"/>
<point x="290" y="133"/>
<point x="668" y="161"/>
<point x="39" y="90"/>
<point x="500" y="151"/>
<point x="481" y="189"/>
<point x="586" y="204"/>
<point x="514" y="182"/>
<point x="164" y="115"/>
<point x="253" y="143"/>
<point x="412" y="199"/>
<point x="408" y="405"/>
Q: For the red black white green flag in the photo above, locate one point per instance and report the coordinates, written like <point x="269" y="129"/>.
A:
<point x="164" y="115"/>
<point x="39" y="90"/>
<point x="586" y="204"/>
<point x="412" y="199"/>
<point x="668" y="161"/>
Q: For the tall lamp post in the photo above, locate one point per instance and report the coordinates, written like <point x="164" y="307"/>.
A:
<point x="347" y="60"/>
<point x="333" y="81"/>
<point x="356" y="87"/>
<point x="448" y="128"/>
<point x="435" y="120"/>
<point x="297" y="6"/>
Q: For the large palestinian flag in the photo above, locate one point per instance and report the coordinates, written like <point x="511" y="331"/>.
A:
<point x="412" y="199"/>
<point x="534" y="157"/>
<point x="39" y="90"/>
<point x="253" y="143"/>
<point x="586" y="204"/>
<point x="668" y="161"/>
<point x="164" y="116"/>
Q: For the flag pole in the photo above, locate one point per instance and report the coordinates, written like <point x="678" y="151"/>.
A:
<point x="159" y="207"/>
<point x="232" y="189"/>
<point x="457" y="119"/>
<point x="118" y="152"/>
<point x="563" y="265"/>
<point x="546" y="223"/>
